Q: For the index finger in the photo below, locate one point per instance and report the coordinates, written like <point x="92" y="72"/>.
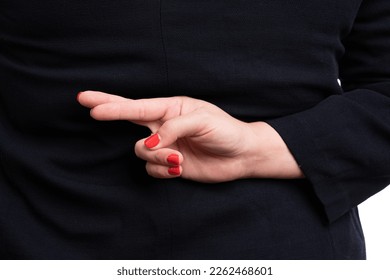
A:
<point x="111" y="107"/>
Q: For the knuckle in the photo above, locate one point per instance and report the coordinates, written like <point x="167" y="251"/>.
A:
<point x="204" y="113"/>
<point x="183" y="99"/>
<point x="142" y="111"/>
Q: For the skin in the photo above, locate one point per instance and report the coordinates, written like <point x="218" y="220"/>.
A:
<point x="212" y="146"/>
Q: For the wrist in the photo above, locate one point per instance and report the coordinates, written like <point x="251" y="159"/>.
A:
<point x="268" y="156"/>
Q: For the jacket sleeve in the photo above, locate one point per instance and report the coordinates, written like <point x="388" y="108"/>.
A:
<point x="343" y="143"/>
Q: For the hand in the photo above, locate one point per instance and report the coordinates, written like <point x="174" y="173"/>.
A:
<point x="197" y="140"/>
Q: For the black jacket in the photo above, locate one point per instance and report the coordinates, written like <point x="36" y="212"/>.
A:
<point x="71" y="187"/>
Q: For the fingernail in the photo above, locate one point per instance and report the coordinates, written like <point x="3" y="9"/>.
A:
<point x="173" y="159"/>
<point x="175" y="170"/>
<point x="152" y="141"/>
<point x="78" y="95"/>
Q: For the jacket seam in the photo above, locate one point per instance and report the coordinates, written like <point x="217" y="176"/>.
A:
<point x="164" y="48"/>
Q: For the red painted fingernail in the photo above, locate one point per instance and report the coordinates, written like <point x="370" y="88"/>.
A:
<point x="152" y="141"/>
<point x="173" y="159"/>
<point x="175" y="170"/>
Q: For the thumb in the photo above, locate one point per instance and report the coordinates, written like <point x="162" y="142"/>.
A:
<point x="193" y="124"/>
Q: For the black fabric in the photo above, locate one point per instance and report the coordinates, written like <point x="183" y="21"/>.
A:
<point x="72" y="188"/>
<point x="343" y="143"/>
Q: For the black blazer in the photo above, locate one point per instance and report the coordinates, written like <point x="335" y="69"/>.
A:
<point x="72" y="188"/>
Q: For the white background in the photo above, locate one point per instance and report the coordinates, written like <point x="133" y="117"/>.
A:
<point x="375" y="218"/>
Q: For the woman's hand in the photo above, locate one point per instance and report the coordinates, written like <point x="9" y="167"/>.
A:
<point x="197" y="140"/>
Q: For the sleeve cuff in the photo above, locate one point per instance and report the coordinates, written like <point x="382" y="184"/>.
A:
<point x="306" y="147"/>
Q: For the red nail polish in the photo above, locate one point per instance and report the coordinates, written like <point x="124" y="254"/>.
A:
<point x="173" y="159"/>
<point x="175" y="170"/>
<point x="152" y="141"/>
